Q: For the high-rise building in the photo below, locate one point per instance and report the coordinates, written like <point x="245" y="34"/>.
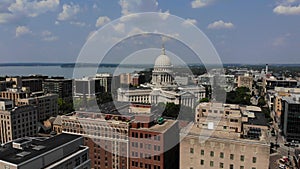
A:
<point x="62" y="151"/>
<point x="226" y="136"/>
<point x="87" y="87"/>
<point x="290" y="118"/>
<point x="15" y="94"/>
<point x="34" y="84"/>
<point x="245" y="81"/>
<point x="16" y="122"/>
<point x="105" y="81"/>
<point x="46" y="105"/>
<point x="61" y="86"/>
<point x="105" y="135"/>
<point x="154" y="145"/>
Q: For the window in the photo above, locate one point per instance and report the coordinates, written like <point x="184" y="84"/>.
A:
<point x="231" y="157"/>
<point x="202" y="152"/>
<point x="254" y="159"/>
<point x="221" y="155"/>
<point x="242" y="158"/>
<point x="212" y="153"/>
<point x="242" y="167"/>
<point x="221" y="165"/>
<point x="211" y="163"/>
<point x="201" y="162"/>
<point x="192" y="150"/>
<point x="231" y="166"/>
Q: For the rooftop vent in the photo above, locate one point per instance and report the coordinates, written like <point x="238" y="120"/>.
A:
<point x="21" y="143"/>
<point x="23" y="154"/>
<point x="38" y="147"/>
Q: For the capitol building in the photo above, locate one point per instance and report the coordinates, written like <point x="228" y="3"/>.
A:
<point x="163" y="87"/>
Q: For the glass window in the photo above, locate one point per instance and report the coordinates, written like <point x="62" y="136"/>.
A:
<point x="231" y="157"/>
<point x="221" y="165"/>
<point x="192" y="150"/>
<point x="242" y="158"/>
<point x="221" y="155"/>
<point x="201" y="162"/>
<point x="211" y="163"/>
<point x="202" y="152"/>
<point x="254" y="159"/>
<point x="212" y="153"/>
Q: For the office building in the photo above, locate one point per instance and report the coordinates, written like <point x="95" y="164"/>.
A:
<point x="17" y="122"/>
<point x="64" y="151"/>
<point x="245" y="81"/>
<point x="61" y="86"/>
<point x="290" y="118"/>
<point x="225" y="136"/>
<point x="105" y="135"/>
<point x="46" y="104"/>
<point x="154" y="145"/>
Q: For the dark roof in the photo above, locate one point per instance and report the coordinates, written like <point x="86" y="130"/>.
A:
<point x="9" y="154"/>
<point x="259" y="119"/>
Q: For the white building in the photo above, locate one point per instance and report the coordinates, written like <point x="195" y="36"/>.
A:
<point x="163" y="87"/>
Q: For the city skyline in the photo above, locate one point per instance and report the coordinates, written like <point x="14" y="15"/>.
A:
<point x="43" y="31"/>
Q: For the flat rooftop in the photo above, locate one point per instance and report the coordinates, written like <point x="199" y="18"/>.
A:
<point x="160" y="128"/>
<point x="204" y="133"/>
<point x="37" y="147"/>
<point x="259" y="119"/>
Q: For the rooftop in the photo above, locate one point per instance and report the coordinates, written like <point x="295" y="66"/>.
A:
<point x="37" y="147"/>
<point x="161" y="128"/>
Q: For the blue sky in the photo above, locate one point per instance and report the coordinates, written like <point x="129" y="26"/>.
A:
<point x="242" y="31"/>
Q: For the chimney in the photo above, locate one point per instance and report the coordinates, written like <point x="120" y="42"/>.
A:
<point x="267" y="67"/>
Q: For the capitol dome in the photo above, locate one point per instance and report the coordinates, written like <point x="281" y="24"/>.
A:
<point x="162" y="60"/>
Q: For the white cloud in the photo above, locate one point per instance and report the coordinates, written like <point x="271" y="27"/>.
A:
<point x="69" y="11"/>
<point x="18" y="10"/>
<point x="22" y="30"/>
<point x="48" y="36"/>
<point x="95" y="6"/>
<point x="102" y="20"/>
<point x="200" y="3"/>
<point x="220" y="25"/>
<point x="281" y="40"/>
<point x="164" y="15"/>
<point x="80" y="24"/>
<point x="135" y="6"/>
<point x="287" y="10"/>
<point x="189" y="22"/>
<point x="120" y="27"/>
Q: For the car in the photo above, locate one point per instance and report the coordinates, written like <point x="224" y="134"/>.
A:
<point x="282" y="166"/>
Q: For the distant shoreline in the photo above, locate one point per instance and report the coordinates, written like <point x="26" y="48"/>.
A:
<point x="72" y="65"/>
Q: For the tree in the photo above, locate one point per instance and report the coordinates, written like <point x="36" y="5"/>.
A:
<point x="203" y="100"/>
<point x="261" y="102"/>
<point x="240" y="96"/>
<point x="64" y="107"/>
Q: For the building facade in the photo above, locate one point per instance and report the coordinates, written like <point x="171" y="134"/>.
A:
<point x="225" y="136"/>
<point x="18" y="122"/>
<point x="64" y="151"/>
<point x="290" y="118"/>
<point x="105" y="135"/>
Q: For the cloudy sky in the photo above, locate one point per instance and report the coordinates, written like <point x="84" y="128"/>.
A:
<point x="242" y="31"/>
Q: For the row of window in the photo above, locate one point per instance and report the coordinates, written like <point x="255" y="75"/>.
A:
<point x="221" y="165"/>
<point x="212" y="154"/>
<point x="147" y="136"/>
<point x="147" y="146"/>
<point x="142" y="165"/>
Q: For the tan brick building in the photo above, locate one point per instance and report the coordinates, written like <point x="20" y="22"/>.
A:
<point x="225" y="136"/>
<point x="17" y="122"/>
